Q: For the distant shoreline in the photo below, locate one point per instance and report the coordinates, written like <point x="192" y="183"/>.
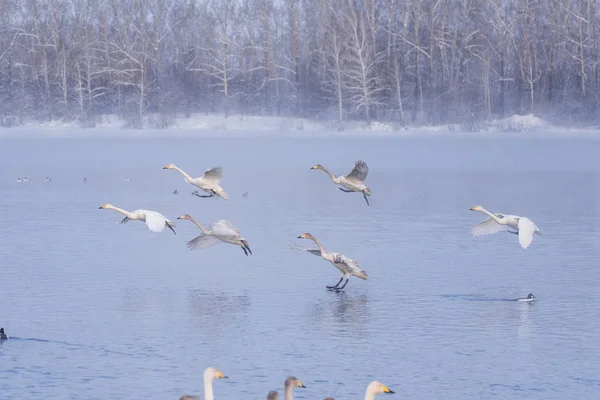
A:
<point x="200" y="125"/>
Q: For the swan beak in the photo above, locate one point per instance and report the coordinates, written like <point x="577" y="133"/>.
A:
<point x="300" y="384"/>
<point x="167" y="167"/>
<point x="221" y="376"/>
<point x="472" y="208"/>
<point x="386" y="389"/>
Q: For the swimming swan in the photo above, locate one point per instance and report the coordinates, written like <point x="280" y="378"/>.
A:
<point x="210" y="374"/>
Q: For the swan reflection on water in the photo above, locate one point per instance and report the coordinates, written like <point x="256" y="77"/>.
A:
<point x="344" y="311"/>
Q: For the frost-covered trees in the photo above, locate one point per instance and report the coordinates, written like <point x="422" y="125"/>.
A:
<point x="417" y="61"/>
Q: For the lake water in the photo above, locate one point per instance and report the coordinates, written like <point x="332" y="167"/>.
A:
<point x="100" y="310"/>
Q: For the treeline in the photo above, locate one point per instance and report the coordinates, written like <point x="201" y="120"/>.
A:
<point x="406" y="61"/>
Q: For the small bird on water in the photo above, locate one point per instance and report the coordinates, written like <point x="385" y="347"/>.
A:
<point x="2" y="334"/>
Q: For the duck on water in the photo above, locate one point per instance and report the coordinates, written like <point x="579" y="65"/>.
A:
<point x="3" y="335"/>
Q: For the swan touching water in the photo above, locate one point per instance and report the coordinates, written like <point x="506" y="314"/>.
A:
<point x="155" y="222"/>
<point x="220" y="231"/>
<point x="210" y="374"/>
<point x="530" y="297"/>
<point x="209" y="182"/>
<point x="347" y="266"/>
<point x="524" y="227"/>
<point x="376" y="388"/>
<point x="354" y="181"/>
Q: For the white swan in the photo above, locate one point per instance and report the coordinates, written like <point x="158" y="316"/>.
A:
<point x="209" y="182"/>
<point x="220" y="231"/>
<point x="530" y="297"/>
<point x="346" y="265"/>
<point x="210" y="374"/>
<point x="155" y="222"/>
<point x="354" y="181"/>
<point x="524" y="227"/>
<point x="376" y="388"/>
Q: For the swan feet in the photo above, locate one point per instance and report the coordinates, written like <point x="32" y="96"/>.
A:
<point x="514" y="233"/>
<point x="344" y="190"/>
<point x="195" y="193"/>
<point x="337" y="286"/>
<point x="367" y="200"/>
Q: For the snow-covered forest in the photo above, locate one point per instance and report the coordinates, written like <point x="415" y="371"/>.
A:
<point x="405" y="61"/>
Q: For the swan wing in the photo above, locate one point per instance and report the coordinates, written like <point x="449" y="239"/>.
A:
<point x="213" y="174"/>
<point x="224" y="228"/>
<point x="526" y="230"/>
<point x="346" y="261"/>
<point x="203" y="241"/>
<point x="154" y="221"/>
<point x="488" y="227"/>
<point x="316" y="252"/>
<point x="359" y="172"/>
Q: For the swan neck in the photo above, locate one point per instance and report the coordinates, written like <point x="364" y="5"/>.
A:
<point x="320" y="246"/>
<point x="203" y="229"/>
<point x="492" y="216"/>
<point x="333" y="178"/>
<point x="289" y="393"/>
<point x="369" y="395"/>
<point x="183" y="173"/>
<point x="208" y="389"/>
<point x="124" y="212"/>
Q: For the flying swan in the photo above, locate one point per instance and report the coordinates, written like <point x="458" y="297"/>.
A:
<point x="209" y="182"/>
<point x="156" y="222"/>
<point x="220" y="231"/>
<point x="354" y="181"/>
<point x="524" y="227"/>
<point x="347" y="266"/>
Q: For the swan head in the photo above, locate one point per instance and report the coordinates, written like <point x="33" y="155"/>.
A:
<point x="170" y="166"/>
<point x="273" y="395"/>
<point x="184" y="216"/>
<point x="306" y="236"/>
<point x="103" y="206"/>
<point x="476" y="208"/>
<point x="318" y="166"/>
<point x="293" y="382"/>
<point x="376" y="387"/>
<point x="211" y="374"/>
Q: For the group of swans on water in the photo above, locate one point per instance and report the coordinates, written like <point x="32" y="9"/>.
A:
<point x="211" y="374"/>
<point x="223" y="231"/>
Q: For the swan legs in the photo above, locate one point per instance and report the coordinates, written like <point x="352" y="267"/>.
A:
<point x="170" y="227"/>
<point x="212" y="194"/>
<point x="337" y="284"/>
<point x="350" y="191"/>
<point x="344" y="285"/>
<point x="195" y="193"/>
<point x="246" y="248"/>
<point x="514" y="233"/>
